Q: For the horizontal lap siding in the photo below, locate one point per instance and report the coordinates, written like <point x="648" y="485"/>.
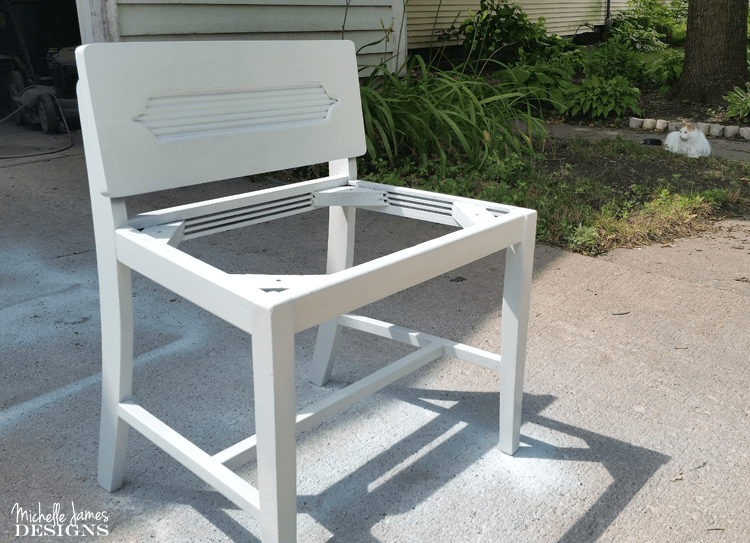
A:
<point x="195" y="19"/>
<point x="156" y="20"/>
<point x="562" y="18"/>
<point x="426" y="19"/>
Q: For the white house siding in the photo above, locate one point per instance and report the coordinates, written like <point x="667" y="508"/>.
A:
<point x="143" y="20"/>
<point x="363" y="22"/>
<point x="564" y="18"/>
<point x="426" y="18"/>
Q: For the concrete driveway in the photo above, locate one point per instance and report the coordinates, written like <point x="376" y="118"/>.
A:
<point x="636" y="423"/>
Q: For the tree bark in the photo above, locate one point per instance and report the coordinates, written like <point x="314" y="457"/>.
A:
<point x="715" y="51"/>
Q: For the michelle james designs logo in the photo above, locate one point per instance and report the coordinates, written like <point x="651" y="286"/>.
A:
<point x="36" y="522"/>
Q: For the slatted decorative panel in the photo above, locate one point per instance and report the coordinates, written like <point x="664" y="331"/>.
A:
<point x="172" y="118"/>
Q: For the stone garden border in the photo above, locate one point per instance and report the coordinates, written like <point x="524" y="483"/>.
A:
<point x="714" y="130"/>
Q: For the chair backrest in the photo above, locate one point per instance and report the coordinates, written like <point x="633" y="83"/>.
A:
<point x="170" y="114"/>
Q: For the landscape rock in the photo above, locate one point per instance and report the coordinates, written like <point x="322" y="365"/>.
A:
<point x="703" y="127"/>
<point x="635" y="122"/>
<point x="731" y="131"/>
<point x="649" y="124"/>
<point x="662" y="125"/>
<point x="716" y="130"/>
<point x="745" y="132"/>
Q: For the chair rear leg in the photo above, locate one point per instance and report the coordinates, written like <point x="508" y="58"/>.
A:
<point x="340" y="257"/>
<point x="326" y="347"/>
<point x="117" y="371"/>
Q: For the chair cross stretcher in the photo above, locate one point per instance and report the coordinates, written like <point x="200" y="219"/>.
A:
<point x="164" y="115"/>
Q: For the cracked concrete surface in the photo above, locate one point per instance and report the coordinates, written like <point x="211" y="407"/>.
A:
<point x="636" y="422"/>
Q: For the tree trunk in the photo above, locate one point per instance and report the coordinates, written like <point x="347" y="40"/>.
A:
<point x="715" y="51"/>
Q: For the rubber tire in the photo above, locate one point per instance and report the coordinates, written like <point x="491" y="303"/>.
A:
<point x="48" y="115"/>
<point x="27" y="116"/>
<point x="15" y="86"/>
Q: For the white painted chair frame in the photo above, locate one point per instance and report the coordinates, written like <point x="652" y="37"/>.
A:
<point x="138" y="106"/>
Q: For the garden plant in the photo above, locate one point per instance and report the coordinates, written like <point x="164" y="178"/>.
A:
<point x="477" y="129"/>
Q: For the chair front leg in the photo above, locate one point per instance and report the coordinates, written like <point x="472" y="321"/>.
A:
<point x="117" y="370"/>
<point x="275" y="411"/>
<point x="519" y="263"/>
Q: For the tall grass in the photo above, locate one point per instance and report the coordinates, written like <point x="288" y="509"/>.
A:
<point x="427" y="115"/>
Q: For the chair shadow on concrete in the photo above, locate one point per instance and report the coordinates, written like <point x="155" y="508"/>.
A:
<point x="460" y="432"/>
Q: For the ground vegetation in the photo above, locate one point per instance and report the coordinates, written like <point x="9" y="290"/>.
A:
<point x="477" y="129"/>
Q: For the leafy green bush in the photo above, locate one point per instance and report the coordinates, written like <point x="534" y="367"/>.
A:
<point x="502" y="32"/>
<point x="597" y="97"/>
<point x="614" y="58"/>
<point x="678" y="34"/>
<point x="678" y="11"/>
<point x="649" y="12"/>
<point x="739" y="102"/>
<point x="647" y="24"/>
<point x="665" y="70"/>
<point x="443" y="116"/>
<point x="542" y="83"/>
<point x="494" y="181"/>
<point x="584" y="239"/>
<point x="637" y="36"/>
<point x="564" y="57"/>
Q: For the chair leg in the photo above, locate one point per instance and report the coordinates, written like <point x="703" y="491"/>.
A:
<point x="515" y="318"/>
<point x="275" y="410"/>
<point x="326" y="346"/>
<point x="117" y="372"/>
<point x="340" y="257"/>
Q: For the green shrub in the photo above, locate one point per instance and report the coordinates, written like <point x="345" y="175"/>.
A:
<point x="542" y="83"/>
<point x="649" y="12"/>
<point x="638" y="37"/>
<point x="564" y="57"/>
<point x="739" y="102"/>
<point x="678" y="34"/>
<point x="442" y="116"/>
<point x="614" y="58"/>
<point x="584" y="239"/>
<point x="647" y="24"/>
<point x="597" y="97"/>
<point x="678" y="11"/>
<point x="494" y="181"/>
<point x="665" y="70"/>
<point x="502" y="32"/>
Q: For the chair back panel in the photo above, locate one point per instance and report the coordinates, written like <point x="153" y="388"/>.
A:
<point x="171" y="114"/>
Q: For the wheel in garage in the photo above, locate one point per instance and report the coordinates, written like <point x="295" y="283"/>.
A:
<point x="48" y="116"/>
<point x="15" y="86"/>
<point x="25" y="116"/>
